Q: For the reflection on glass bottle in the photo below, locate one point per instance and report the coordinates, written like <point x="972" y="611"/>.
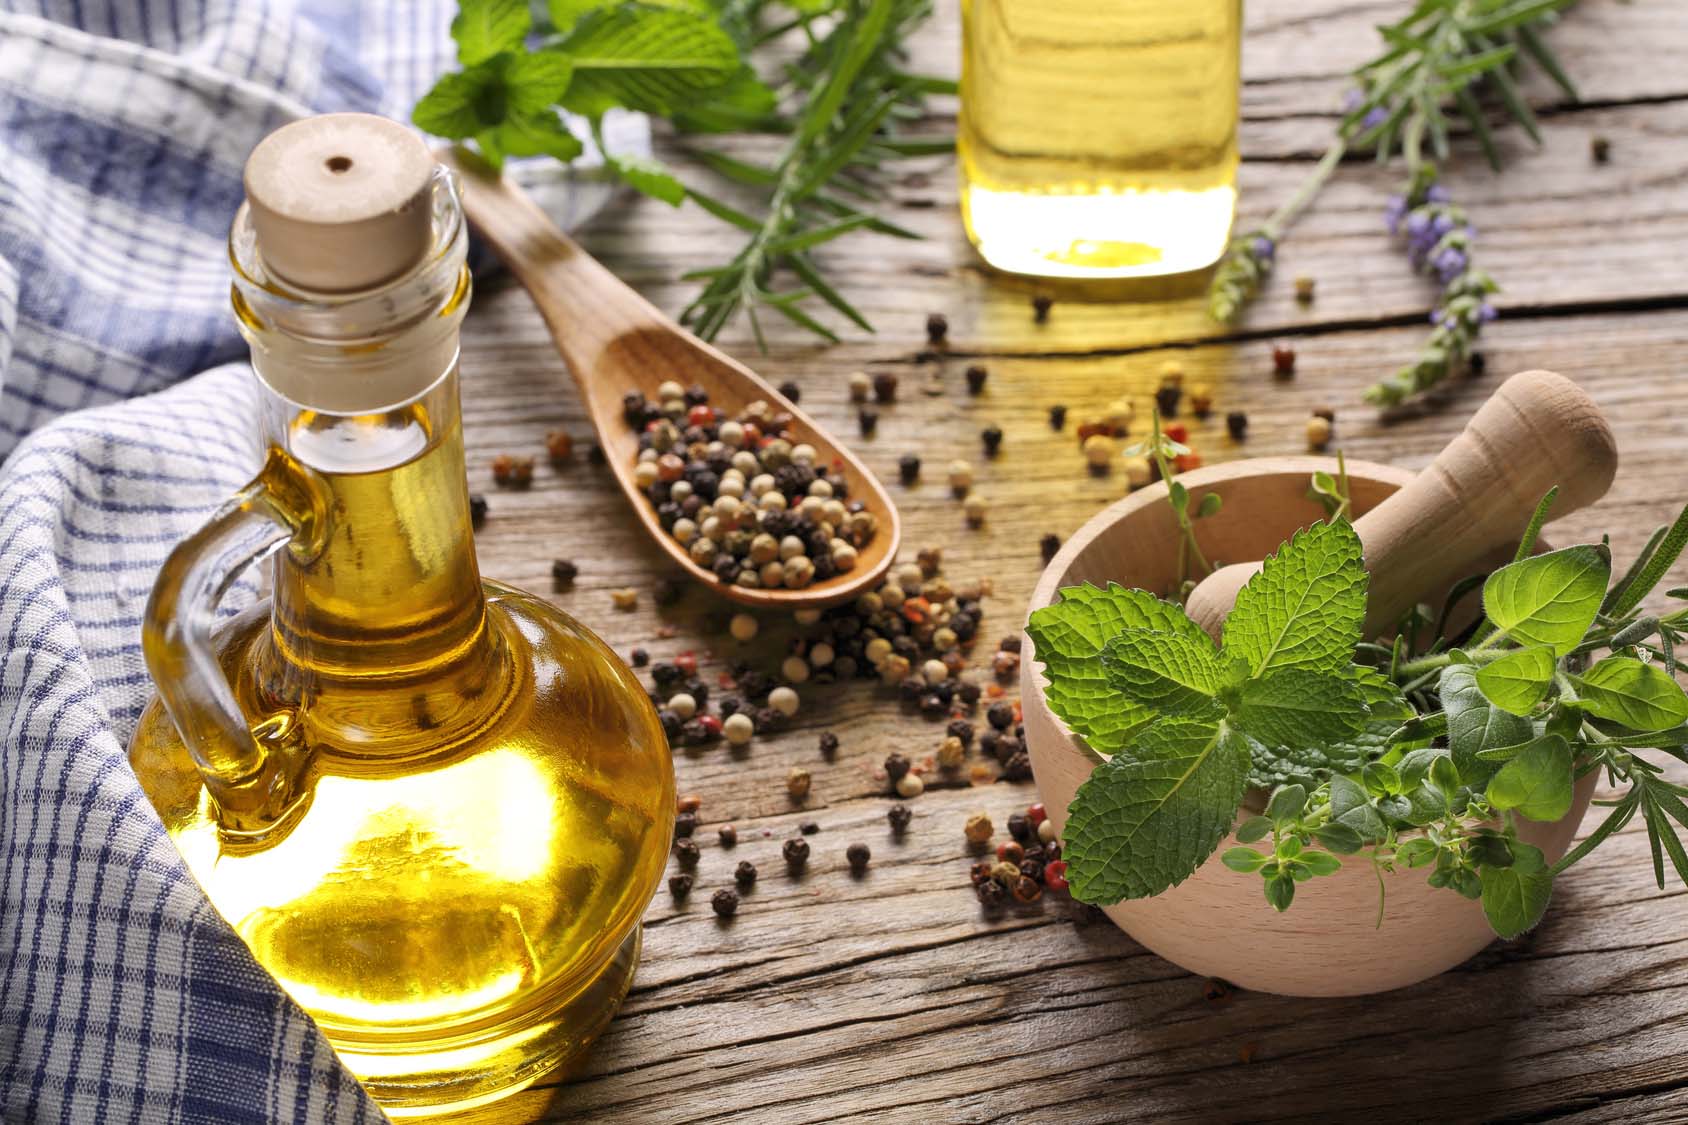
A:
<point x="1098" y="138"/>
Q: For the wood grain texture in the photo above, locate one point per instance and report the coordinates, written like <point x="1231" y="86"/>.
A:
<point x="892" y="998"/>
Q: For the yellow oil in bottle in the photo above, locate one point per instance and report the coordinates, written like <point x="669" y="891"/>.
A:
<point x="1098" y="138"/>
<point x="490" y="798"/>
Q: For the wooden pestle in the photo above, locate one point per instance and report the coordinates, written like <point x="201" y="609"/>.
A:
<point x="1538" y="430"/>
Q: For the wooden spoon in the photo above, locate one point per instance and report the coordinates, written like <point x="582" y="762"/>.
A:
<point x="1538" y="430"/>
<point x="614" y="341"/>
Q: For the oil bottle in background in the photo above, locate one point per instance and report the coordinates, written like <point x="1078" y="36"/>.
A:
<point x="1098" y="138"/>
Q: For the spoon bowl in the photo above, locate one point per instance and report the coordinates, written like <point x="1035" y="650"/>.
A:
<point x="614" y="341"/>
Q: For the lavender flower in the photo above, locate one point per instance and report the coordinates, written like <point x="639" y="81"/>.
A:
<point x="1247" y="261"/>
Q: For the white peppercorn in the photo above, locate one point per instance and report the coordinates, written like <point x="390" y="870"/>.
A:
<point x="790" y="547"/>
<point x="784" y="700"/>
<point x="910" y="785"/>
<point x="821" y="654"/>
<point x="860" y="386"/>
<point x="682" y="704"/>
<point x="772" y="574"/>
<point x="743" y="626"/>
<point x="738" y="728"/>
<point x="799" y="572"/>
<point x="644" y="473"/>
<point x="684" y="530"/>
<point x="877" y="651"/>
<point x="1138" y="471"/>
<point x="843" y="555"/>
<point x="794" y="669"/>
<point x="935" y="671"/>
<point x="1099" y="449"/>
<point x="974" y="507"/>
<point x="960" y="476"/>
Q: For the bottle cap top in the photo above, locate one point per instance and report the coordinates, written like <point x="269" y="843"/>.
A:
<point x="340" y="202"/>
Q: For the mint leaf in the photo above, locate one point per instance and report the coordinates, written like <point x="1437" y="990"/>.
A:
<point x="1069" y="636"/>
<point x="519" y="89"/>
<point x="1306" y="607"/>
<point x="650" y="177"/>
<point x="741" y="104"/>
<point x="536" y="134"/>
<point x="1549" y="599"/>
<point x="1537" y="782"/>
<point x="1146" y="818"/>
<point x="657" y="61"/>
<point x="566" y="13"/>
<point x="1515" y="897"/>
<point x="1517" y="681"/>
<point x="452" y="108"/>
<point x="1475" y="724"/>
<point x="484" y="28"/>
<point x="1296" y="707"/>
<point x="1169" y="673"/>
<point x="1621" y="689"/>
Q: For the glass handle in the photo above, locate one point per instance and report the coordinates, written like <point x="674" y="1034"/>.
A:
<point x="252" y="769"/>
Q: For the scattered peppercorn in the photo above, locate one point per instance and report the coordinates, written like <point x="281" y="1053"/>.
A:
<point x="685" y="824"/>
<point x="478" y="509"/>
<point x="1318" y="432"/>
<point x="1600" y="148"/>
<point x="1167" y="396"/>
<point x="1283" y="358"/>
<point x="564" y="572"/>
<point x="1055" y="874"/>
<point x="1058" y="417"/>
<point x="558" y="445"/>
<point x="1201" y="400"/>
<point x="809" y="827"/>
<point x="512" y="472"/>
<point x="1099" y="450"/>
<point x="745" y="875"/>
<point x="680" y="885"/>
<point x="1236" y="423"/>
<point x="791" y="391"/>
<point x="828" y="745"/>
<point x="976" y="376"/>
<point x="725" y="903"/>
<point x="1304" y="289"/>
<point x="639" y="658"/>
<point x="1040" y="307"/>
<point x="937" y="328"/>
<point x="1049" y="546"/>
<point x="896" y="766"/>
<point x="1027" y="890"/>
<point x="979" y="828"/>
<point x="899" y="816"/>
<point x="796" y="853"/>
<point x="1020" y="827"/>
<point x="991" y="893"/>
<point x="991" y="438"/>
<point x="911" y="785"/>
<point x="857" y="855"/>
<point x="1477" y="363"/>
<point x="908" y="468"/>
<point x="860" y="386"/>
<point x="728" y="835"/>
<point x="1046" y="831"/>
<point x="797" y="783"/>
<point x="885" y="386"/>
<point x="626" y="598"/>
<point x="1325" y="412"/>
<point x="1000" y="714"/>
<point x="1139" y="471"/>
<point x="686" y="852"/>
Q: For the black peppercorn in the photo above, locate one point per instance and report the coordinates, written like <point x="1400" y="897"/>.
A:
<point x="1167" y="397"/>
<point x="867" y="420"/>
<point x="1010" y="643"/>
<point x="745" y="875"/>
<point x="680" y="885"/>
<point x="989" y="741"/>
<point x="725" y="903"/>
<point x="1049" y="546"/>
<point x="791" y="391"/>
<point x="857" y="855"/>
<point x="1057" y="417"/>
<point x="809" y="827"/>
<point x="937" y="328"/>
<point x="1006" y="747"/>
<point x="899" y="816"/>
<point x="671" y="723"/>
<point x="991" y="438"/>
<point x="908" y="468"/>
<point x="1020" y="827"/>
<point x="1040" y="307"/>
<point x="640" y="658"/>
<point x="1000" y="714"/>
<point x="828" y="744"/>
<point x="478" y="509"/>
<point x="896" y="767"/>
<point x="685" y="824"/>
<point x="976" y="376"/>
<point x="991" y="893"/>
<point x="686" y="852"/>
<point x="728" y="836"/>
<point x="796" y="853"/>
<point x="1477" y="364"/>
<point x="1325" y="412"/>
<point x="1599" y="148"/>
<point x="563" y="572"/>
<point x="969" y="690"/>
<point x="885" y="386"/>
<point x="1236" y="422"/>
<point x="1017" y="768"/>
<point x="960" y="729"/>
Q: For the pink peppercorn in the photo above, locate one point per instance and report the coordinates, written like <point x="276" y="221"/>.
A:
<point x="1037" y="814"/>
<point x="1055" y="874"/>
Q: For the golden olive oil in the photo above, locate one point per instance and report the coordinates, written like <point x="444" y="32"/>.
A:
<point x="1098" y="138"/>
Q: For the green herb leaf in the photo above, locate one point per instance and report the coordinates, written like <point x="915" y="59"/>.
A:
<point x="1280" y="892"/>
<point x="1621" y="689"/>
<point x="1286" y="803"/>
<point x="1351" y="805"/>
<point x="1306" y="606"/>
<point x="1170" y="673"/>
<point x="534" y="134"/>
<point x="1069" y="637"/>
<point x="1515" y="897"/>
<point x="1243" y="859"/>
<point x="1475" y="724"/>
<point x="1146" y="818"/>
<point x="1549" y="599"/>
<point x="1339" y="838"/>
<point x="648" y="176"/>
<point x="1537" y="782"/>
<point x="658" y="61"/>
<point x="1517" y="681"/>
<point x="1321" y="863"/>
<point x="516" y="89"/>
<point x="1295" y="707"/>
<point x="484" y="28"/>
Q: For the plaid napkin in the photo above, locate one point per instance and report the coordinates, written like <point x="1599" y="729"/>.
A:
<point x="124" y="996"/>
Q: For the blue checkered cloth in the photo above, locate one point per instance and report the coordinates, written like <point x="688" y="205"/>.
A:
<point x="126" y="415"/>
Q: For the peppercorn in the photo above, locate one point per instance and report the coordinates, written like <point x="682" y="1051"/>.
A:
<point x="1049" y="546"/>
<point x="1018" y="767"/>
<point x="791" y="391"/>
<point x="796" y="853"/>
<point x="1000" y="714"/>
<point x="1318" y="432"/>
<point x="1040" y="307"/>
<point x="1283" y="358"/>
<point x="809" y="827"/>
<point x="1201" y="400"/>
<point x="1304" y="289"/>
<point x="979" y="828"/>
<point x="686" y="852"/>
<point x="725" y="903"/>
<point x="885" y="386"/>
<point x="680" y="885"/>
<point x="991" y="438"/>
<point x="991" y="894"/>
<point x="626" y="598"/>
<point x="478" y="509"/>
<point x="1325" y="412"/>
<point x="1037" y="813"/>
<point x="899" y="816"/>
<point x="911" y="785"/>
<point x="1046" y="831"/>
<point x="1139" y="471"/>
<point x="974" y="509"/>
<point x="857" y="855"/>
<point x="962" y="730"/>
<point x="1055" y="874"/>
<point x="896" y="766"/>
<point x="513" y="472"/>
<point x="739" y="728"/>
<point x="908" y="468"/>
<point x="728" y="835"/>
<point x="860" y="385"/>
<point x="1020" y="827"/>
<point x="639" y="658"/>
<point x="559" y="446"/>
<point x="745" y="875"/>
<point x="1236" y="422"/>
<point x="828" y="745"/>
<point x="937" y="328"/>
<point x="960" y="477"/>
<point x="1005" y="871"/>
<point x="1167" y="397"/>
<point x="1600" y="148"/>
<point x="1027" y="890"/>
<point x="1099" y="450"/>
<point x="976" y="376"/>
<point x="797" y="783"/>
<point x="1476" y="363"/>
<point x="685" y="824"/>
<point x="564" y="571"/>
<point x="1216" y="991"/>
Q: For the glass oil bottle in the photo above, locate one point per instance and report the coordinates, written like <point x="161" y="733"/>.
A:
<point x="1098" y="138"/>
<point x="435" y="807"/>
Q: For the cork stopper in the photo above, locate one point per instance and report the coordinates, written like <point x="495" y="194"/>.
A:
<point x="340" y="202"/>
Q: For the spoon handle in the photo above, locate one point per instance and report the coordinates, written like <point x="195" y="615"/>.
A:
<point x="1537" y="430"/>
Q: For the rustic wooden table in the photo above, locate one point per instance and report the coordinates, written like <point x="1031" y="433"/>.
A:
<point x="892" y="997"/>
